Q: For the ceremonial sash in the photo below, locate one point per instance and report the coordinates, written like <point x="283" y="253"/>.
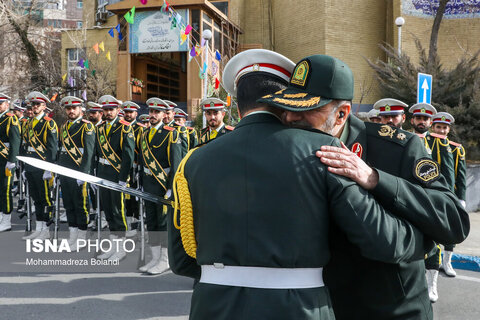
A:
<point x="35" y="143"/>
<point x="70" y="146"/>
<point x="106" y="148"/>
<point x="151" y="162"/>
<point x="3" y="150"/>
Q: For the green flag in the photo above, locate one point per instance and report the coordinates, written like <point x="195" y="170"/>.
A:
<point x="130" y="15"/>
<point x="86" y="65"/>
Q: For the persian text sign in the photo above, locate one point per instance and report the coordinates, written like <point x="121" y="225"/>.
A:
<point x="153" y="32"/>
<point x="455" y="9"/>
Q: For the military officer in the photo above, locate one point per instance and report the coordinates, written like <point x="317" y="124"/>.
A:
<point x="18" y="110"/>
<point x="214" y="109"/>
<point x="391" y="111"/>
<point x="145" y="119"/>
<point x="9" y="147"/>
<point x="41" y="134"/>
<point x="264" y="258"/>
<point x="161" y="152"/>
<point x="373" y="116"/>
<point x="77" y="142"/>
<point x="95" y="113"/>
<point x="181" y="119"/>
<point x="360" y="287"/>
<point x="115" y="149"/>
<point x="169" y="113"/>
<point x="130" y="109"/>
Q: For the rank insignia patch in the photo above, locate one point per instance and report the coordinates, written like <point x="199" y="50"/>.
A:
<point x="300" y="74"/>
<point x="426" y="171"/>
<point x="357" y="149"/>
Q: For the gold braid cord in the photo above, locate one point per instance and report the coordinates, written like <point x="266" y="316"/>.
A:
<point x="183" y="203"/>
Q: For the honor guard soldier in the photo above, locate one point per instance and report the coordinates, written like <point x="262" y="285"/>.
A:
<point x="145" y="119"/>
<point x="169" y="113"/>
<point x="18" y="110"/>
<point x="259" y="260"/>
<point x="360" y="287"/>
<point x="77" y="143"/>
<point x="421" y="121"/>
<point x="9" y="147"/>
<point x="115" y="149"/>
<point x="181" y="119"/>
<point x="41" y="134"/>
<point x="373" y="116"/>
<point x="214" y="109"/>
<point x="131" y="112"/>
<point x="391" y="111"/>
<point x="95" y="113"/>
<point x="161" y="153"/>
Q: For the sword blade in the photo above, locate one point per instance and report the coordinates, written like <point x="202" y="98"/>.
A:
<point x="55" y="168"/>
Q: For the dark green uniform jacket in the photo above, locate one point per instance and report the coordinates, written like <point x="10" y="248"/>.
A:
<point x="205" y="133"/>
<point x="79" y="139"/>
<point x="41" y="140"/>
<point x="367" y="289"/>
<point x="442" y="153"/>
<point x="193" y="138"/>
<point x="262" y="198"/>
<point x="458" y="153"/>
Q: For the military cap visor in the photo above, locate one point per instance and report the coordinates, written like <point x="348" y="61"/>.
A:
<point x="130" y="106"/>
<point x="157" y="104"/>
<point x="423" y="109"/>
<point x="390" y="107"/>
<point x="4" y="97"/>
<point x="443" y="117"/>
<point x="71" y="101"/>
<point x="37" y="97"/>
<point x="316" y="81"/>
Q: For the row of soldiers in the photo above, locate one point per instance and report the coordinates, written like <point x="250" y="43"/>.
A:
<point x="448" y="154"/>
<point x="120" y="149"/>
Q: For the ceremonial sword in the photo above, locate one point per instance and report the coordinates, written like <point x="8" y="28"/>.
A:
<point x="74" y="174"/>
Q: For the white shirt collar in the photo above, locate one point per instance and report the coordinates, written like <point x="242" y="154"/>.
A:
<point x="218" y="129"/>
<point x="111" y="123"/>
<point x="40" y="116"/>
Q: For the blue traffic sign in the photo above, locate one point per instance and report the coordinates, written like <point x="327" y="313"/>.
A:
<point x="424" y="88"/>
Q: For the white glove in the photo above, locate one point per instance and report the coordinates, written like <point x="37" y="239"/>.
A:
<point x="94" y="187"/>
<point x="47" y="175"/>
<point x="10" y="165"/>
<point x="80" y="182"/>
<point x="168" y="194"/>
<point x="464" y="204"/>
<point x="122" y="183"/>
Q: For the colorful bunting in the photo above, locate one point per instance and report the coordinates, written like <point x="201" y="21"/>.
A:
<point x="229" y="101"/>
<point x="143" y="2"/>
<point x="218" y="56"/>
<point x="54" y="97"/>
<point x="102" y="46"/>
<point x="217" y="83"/>
<point x="80" y="63"/>
<point x="205" y="67"/>
<point x="203" y="43"/>
<point x="86" y="64"/>
<point x="94" y="72"/>
<point x="201" y="74"/>
<point x="178" y="18"/>
<point x="95" y="48"/>
<point x="108" y="56"/>
<point x="111" y="33"/>
<point x="118" y="28"/>
<point x="190" y="58"/>
<point x="70" y="81"/>
<point x="129" y="16"/>
<point x="198" y="50"/>
<point x="188" y="29"/>
<point x="64" y="77"/>
<point x="84" y="94"/>
<point x="183" y="37"/>
<point x="210" y="90"/>
<point x="120" y="36"/>
<point x="193" y="52"/>
<point x="214" y="68"/>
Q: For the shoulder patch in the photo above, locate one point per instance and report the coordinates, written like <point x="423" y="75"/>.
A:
<point x="426" y="171"/>
<point x="125" y="123"/>
<point x="436" y="135"/>
<point x="86" y="121"/>
<point x="24" y="119"/>
<point x="141" y="125"/>
<point x="455" y="144"/>
<point x="9" y="114"/>
<point x="230" y="128"/>
<point x="388" y="133"/>
<point x="47" y="118"/>
<point x="168" y="128"/>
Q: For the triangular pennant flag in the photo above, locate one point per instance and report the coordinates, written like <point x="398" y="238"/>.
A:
<point x="203" y="42"/>
<point x="183" y="37"/>
<point x="163" y="8"/>
<point x="218" y="56"/>
<point x="167" y="6"/>
<point x="108" y="56"/>
<point x="130" y="16"/>
<point x="111" y="33"/>
<point x="190" y="58"/>
<point x="178" y="17"/>
<point x="143" y="1"/>
<point x="101" y="46"/>
<point x="217" y="83"/>
<point x="229" y="101"/>
<point x="118" y="27"/>
<point x="210" y="90"/>
<point x="86" y="64"/>
<point x="64" y="77"/>
<point x="205" y="67"/>
<point x="197" y="50"/>
<point x="54" y="97"/>
<point x="174" y="24"/>
<point x="70" y="81"/>
<point x="84" y="94"/>
<point x="94" y="72"/>
<point x="120" y="36"/>
<point x="201" y="74"/>
<point x="80" y="63"/>
<point x="193" y="52"/>
<point x="214" y="68"/>
<point x="188" y="29"/>
<point x="95" y="48"/>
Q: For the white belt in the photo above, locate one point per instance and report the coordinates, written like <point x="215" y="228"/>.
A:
<point x="148" y="172"/>
<point x="31" y="149"/>
<point x="65" y="150"/>
<point x="104" y="161"/>
<point x="261" y="277"/>
<point x="7" y="144"/>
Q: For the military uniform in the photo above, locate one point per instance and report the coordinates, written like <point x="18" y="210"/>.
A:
<point x="41" y="134"/>
<point x="115" y="145"/>
<point x="9" y="148"/>
<point x="187" y="134"/>
<point x="388" y="108"/>
<point x="161" y="152"/>
<point x="360" y="287"/>
<point x="207" y="133"/>
<point x="77" y="149"/>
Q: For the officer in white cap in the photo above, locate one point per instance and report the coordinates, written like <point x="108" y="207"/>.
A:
<point x="169" y="113"/>
<point x="189" y="134"/>
<point x="95" y="113"/>
<point x="392" y="111"/>
<point x="373" y="116"/>
<point x="9" y="148"/>
<point x="422" y="114"/>
<point x="214" y="109"/>
<point x="42" y="143"/>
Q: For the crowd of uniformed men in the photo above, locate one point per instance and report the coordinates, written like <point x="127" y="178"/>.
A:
<point x="240" y="188"/>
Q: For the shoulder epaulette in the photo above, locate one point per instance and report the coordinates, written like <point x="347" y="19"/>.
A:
<point x="168" y="128"/>
<point x="141" y="125"/>
<point x="386" y="132"/>
<point x="124" y="122"/>
<point x="24" y="119"/>
<point x="229" y="128"/>
<point x="9" y="114"/>
<point x="204" y="130"/>
<point x="436" y="135"/>
<point x="455" y="144"/>
<point x="47" y="118"/>
<point x="190" y="128"/>
<point x="86" y="121"/>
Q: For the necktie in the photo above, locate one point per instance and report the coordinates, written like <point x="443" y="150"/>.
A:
<point x="108" y="127"/>
<point x="35" y="121"/>
<point x="151" y="134"/>
<point x="69" y="124"/>
<point x="213" y="134"/>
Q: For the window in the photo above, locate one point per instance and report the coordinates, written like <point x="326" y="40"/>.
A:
<point x="222" y="6"/>
<point x="79" y="4"/>
<point x="79" y="24"/>
<point x="74" y="71"/>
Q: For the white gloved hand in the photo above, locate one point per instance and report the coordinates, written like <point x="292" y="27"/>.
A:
<point x="122" y="183"/>
<point x="10" y="165"/>
<point x="168" y="194"/>
<point x="464" y="204"/>
<point x="80" y="182"/>
<point x="94" y="187"/>
<point x="47" y="175"/>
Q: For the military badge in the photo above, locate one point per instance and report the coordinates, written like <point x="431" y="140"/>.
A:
<point x="422" y="110"/>
<point x="387" y="108"/>
<point x="401" y="136"/>
<point x="443" y="118"/>
<point x="357" y="149"/>
<point x="300" y="74"/>
<point x="426" y="171"/>
<point x="386" y="131"/>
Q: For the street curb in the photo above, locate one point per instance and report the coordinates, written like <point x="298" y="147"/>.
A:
<point x="465" y="262"/>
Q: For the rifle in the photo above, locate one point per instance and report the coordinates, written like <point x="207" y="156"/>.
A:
<point x="28" y="213"/>
<point x="55" y="207"/>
